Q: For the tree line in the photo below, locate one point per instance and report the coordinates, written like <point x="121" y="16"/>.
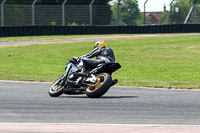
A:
<point x="129" y="12"/>
<point x="57" y="2"/>
<point x="180" y="10"/>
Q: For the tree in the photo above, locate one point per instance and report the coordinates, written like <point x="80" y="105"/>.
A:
<point x="129" y="12"/>
<point x="57" y="2"/>
<point x="197" y="1"/>
<point x="79" y="11"/>
<point x="140" y="19"/>
<point x="19" y="2"/>
<point x="165" y="18"/>
<point x="180" y="9"/>
<point x="73" y="2"/>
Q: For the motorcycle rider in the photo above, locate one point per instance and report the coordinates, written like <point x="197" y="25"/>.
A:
<point x="103" y="54"/>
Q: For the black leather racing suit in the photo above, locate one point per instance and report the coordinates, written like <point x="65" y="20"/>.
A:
<point x="102" y="55"/>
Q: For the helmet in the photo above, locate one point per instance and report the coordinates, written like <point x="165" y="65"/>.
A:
<point x="100" y="44"/>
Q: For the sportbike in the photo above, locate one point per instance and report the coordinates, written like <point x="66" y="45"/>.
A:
<point x="95" y="83"/>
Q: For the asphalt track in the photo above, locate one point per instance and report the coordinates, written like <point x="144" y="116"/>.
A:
<point x="27" y="107"/>
<point x="28" y="102"/>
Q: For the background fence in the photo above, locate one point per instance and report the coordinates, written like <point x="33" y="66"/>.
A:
<point x="23" y="15"/>
<point x="83" y="15"/>
<point x="63" y="19"/>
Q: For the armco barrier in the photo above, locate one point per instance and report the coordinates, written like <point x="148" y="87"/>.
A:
<point x="8" y="31"/>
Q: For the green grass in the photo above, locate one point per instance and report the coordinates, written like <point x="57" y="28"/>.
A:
<point x="147" y="62"/>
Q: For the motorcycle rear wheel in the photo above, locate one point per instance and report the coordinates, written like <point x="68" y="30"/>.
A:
<point x="56" y="88"/>
<point x="101" y="87"/>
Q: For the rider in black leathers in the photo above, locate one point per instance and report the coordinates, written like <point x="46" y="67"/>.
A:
<point x="102" y="53"/>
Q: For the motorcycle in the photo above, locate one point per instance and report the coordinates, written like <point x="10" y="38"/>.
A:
<point x="95" y="83"/>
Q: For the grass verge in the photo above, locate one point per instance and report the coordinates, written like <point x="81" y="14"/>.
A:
<point x="150" y="62"/>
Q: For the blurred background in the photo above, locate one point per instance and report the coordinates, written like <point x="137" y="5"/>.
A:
<point x="98" y="12"/>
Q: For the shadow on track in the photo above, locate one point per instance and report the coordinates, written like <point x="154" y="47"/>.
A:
<point x="103" y="97"/>
<point x="118" y="97"/>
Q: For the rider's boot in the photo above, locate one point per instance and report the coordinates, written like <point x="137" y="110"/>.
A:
<point x="114" y="82"/>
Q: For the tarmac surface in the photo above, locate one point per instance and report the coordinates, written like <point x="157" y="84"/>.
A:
<point x="27" y="107"/>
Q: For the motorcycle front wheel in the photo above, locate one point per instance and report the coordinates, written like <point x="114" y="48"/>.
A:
<point x="56" y="88"/>
<point x="101" y="87"/>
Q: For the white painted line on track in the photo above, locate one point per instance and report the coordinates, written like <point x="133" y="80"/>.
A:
<point x="96" y="128"/>
<point x="164" y="125"/>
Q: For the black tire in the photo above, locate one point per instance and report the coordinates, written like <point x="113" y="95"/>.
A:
<point x="56" y="89"/>
<point x="101" y="87"/>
